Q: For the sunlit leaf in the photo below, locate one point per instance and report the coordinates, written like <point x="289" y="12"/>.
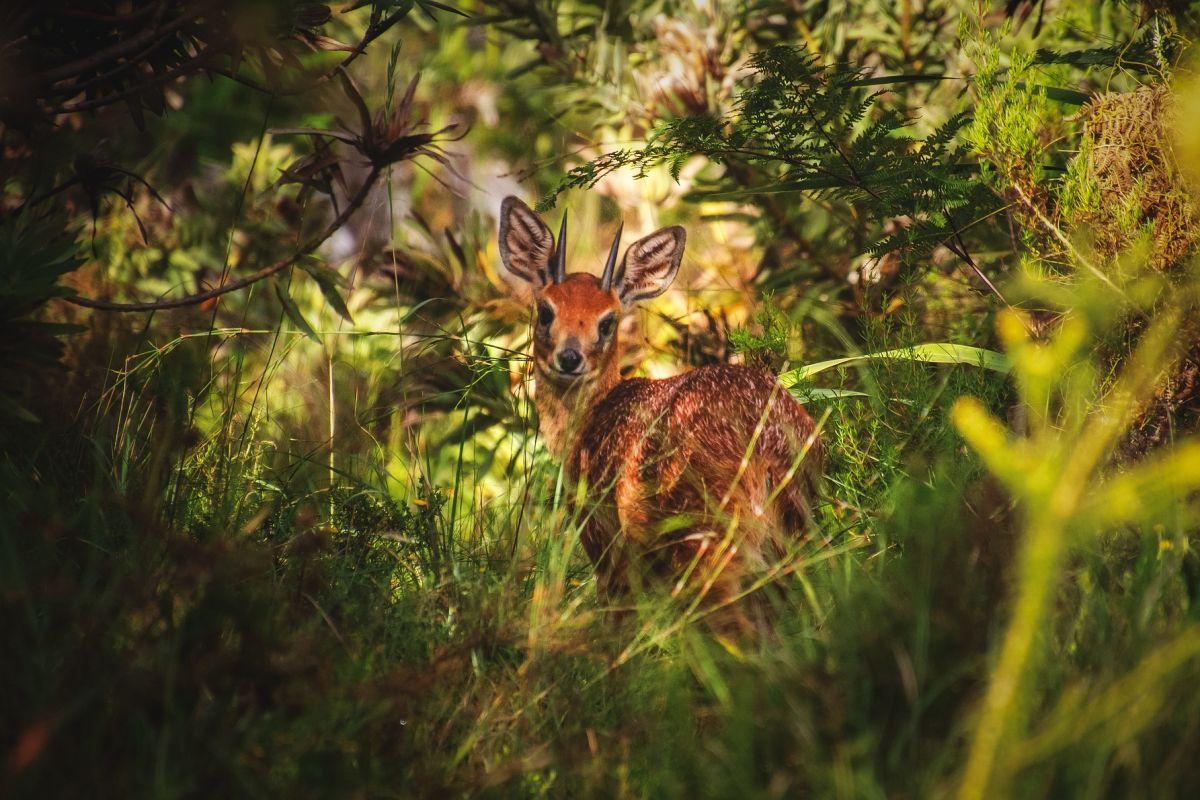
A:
<point x="293" y="312"/>
<point x="328" y="281"/>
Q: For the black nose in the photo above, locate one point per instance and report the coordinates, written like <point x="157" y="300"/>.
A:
<point x="569" y="360"/>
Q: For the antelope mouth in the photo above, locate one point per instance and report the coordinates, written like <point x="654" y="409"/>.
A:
<point x="559" y="376"/>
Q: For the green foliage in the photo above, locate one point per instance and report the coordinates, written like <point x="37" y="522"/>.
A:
<point x="34" y="254"/>
<point x="1011" y="113"/>
<point x="768" y="346"/>
<point x="807" y="128"/>
<point x="933" y="353"/>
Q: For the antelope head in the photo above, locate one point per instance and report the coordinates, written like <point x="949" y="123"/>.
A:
<point x="576" y="315"/>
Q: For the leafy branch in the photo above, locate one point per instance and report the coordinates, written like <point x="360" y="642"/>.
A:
<point x="195" y="299"/>
<point x="381" y="140"/>
<point x="808" y="129"/>
<point x="56" y="55"/>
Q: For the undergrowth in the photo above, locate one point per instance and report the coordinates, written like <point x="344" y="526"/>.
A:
<point x="285" y="632"/>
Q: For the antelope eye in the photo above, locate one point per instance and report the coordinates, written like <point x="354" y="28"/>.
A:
<point x="606" y="325"/>
<point x="545" y="315"/>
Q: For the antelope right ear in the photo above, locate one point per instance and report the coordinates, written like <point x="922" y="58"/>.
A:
<point x="650" y="265"/>
<point x="526" y="244"/>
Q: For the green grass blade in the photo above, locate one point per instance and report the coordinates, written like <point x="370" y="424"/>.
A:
<point x="808" y="393"/>
<point x="931" y="353"/>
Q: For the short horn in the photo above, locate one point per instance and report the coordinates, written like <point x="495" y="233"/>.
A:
<point x="558" y="267"/>
<point x="607" y="278"/>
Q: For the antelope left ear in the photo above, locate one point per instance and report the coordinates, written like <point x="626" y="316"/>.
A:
<point x="526" y="245"/>
<point x="650" y="265"/>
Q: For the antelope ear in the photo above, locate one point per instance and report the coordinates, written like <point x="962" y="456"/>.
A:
<point x="650" y="265"/>
<point x="526" y="244"/>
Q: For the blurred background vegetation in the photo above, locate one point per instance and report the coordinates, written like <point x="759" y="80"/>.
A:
<point x="276" y="519"/>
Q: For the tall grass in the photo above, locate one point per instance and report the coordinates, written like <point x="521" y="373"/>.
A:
<point x="219" y="615"/>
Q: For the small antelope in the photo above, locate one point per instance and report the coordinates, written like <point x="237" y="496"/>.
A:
<point x="697" y="477"/>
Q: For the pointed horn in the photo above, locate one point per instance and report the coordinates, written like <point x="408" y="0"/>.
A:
<point x="558" y="267"/>
<point x="611" y="265"/>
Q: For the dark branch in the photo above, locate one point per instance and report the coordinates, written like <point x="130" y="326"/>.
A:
<point x="195" y="299"/>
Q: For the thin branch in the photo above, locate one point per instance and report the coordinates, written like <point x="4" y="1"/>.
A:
<point x="122" y="48"/>
<point x="1057" y="233"/>
<point x="960" y="249"/>
<point x="373" y="32"/>
<point x="46" y="195"/>
<point x="190" y="65"/>
<point x="254" y="277"/>
<point x="154" y="38"/>
<point x="136" y="61"/>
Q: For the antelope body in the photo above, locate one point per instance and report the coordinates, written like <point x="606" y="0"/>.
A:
<point x="702" y="475"/>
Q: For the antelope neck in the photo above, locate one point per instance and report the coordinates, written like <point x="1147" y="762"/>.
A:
<point x="561" y="408"/>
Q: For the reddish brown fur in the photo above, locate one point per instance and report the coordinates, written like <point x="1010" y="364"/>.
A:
<point x="675" y="465"/>
<point x="668" y="463"/>
<point x="705" y="474"/>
